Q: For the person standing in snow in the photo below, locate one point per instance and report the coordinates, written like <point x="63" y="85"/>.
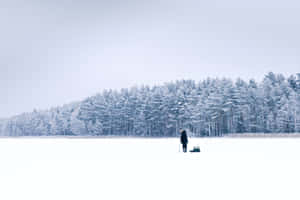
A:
<point x="184" y="140"/>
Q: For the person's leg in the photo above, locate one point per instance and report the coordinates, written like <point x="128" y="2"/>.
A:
<point x="184" y="148"/>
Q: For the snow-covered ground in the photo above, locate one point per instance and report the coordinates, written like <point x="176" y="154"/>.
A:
<point x="227" y="168"/>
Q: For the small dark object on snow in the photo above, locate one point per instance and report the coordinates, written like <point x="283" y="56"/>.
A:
<point x="195" y="150"/>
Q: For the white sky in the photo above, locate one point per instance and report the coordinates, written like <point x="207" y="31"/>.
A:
<point x="55" y="52"/>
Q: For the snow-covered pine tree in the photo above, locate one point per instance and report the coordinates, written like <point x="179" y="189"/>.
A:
<point x="211" y="107"/>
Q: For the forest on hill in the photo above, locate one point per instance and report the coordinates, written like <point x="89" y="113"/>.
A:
<point x="211" y="107"/>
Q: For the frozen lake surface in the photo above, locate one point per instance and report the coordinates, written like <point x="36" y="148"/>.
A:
<point x="71" y="169"/>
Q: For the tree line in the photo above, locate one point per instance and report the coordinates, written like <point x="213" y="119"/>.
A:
<point x="211" y="107"/>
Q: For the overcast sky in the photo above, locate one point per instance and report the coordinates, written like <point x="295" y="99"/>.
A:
<point x="58" y="51"/>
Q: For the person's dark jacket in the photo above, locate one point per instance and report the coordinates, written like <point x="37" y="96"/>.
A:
<point x="184" y="138"/>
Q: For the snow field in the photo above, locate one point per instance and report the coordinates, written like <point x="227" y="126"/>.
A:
<point x="227" y="168"/>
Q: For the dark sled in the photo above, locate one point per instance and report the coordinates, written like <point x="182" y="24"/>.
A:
<point x="195" y="150"/>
